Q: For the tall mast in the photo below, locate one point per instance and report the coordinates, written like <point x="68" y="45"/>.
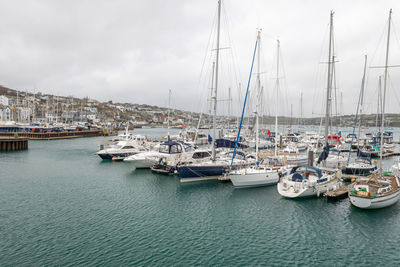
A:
<point x="379" y="108"/>
<point x="259" y="90"/>
<point x="301" y="109"/>
<point x="229" y="106"/>
<point x="169" y="108"/>
<point x="361" y="101"/>
<point x="329" y="82"/>
<point x="276" y="100"/>
<point x="291" y="116"/>
<point x="216" y="82"/>
<point x="384" y="89"/>
<point x="211" y="89"/>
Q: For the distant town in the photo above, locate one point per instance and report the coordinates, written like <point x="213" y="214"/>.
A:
<point x="26" y="107"/>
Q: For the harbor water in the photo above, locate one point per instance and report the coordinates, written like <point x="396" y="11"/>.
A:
<point x="60" y="204"/>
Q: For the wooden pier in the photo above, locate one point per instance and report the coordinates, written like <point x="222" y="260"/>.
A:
<point x="13" y="144"/>
<point x="52" y="135"/>
<point x="337" y="194"/>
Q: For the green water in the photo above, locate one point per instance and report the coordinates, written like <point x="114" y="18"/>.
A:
<point x="62" y="205"/>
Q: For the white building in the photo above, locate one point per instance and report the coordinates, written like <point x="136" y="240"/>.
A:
<point x="5" y="114"/>
<point x="4" y="100"/>
<point x="23" y="114"/>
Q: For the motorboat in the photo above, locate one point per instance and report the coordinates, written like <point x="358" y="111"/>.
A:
<point x="171" y="151"/>
<point x="121" y="150"/>
<point x="351" y="138"/>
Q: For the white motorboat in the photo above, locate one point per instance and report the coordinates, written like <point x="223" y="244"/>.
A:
<point x="304" y="181"/>
<point x="169" y="151"/>
<point x="122" y="149"/>
<point x="143" y="160"/>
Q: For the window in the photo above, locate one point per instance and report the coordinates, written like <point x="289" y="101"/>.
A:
<point x="176" y="149"/>
<point x="164" y="149"/>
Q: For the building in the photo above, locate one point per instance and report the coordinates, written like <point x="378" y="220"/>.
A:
<point x="5" y="113"/>
<point x="4" y="100"/>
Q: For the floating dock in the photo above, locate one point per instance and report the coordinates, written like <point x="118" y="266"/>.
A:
<point x="337" y="194"/>
<point x="52" y="135"/>
<point x="13" y="144"/>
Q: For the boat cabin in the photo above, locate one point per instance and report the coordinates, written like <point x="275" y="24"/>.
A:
<point x="174" y="148"/>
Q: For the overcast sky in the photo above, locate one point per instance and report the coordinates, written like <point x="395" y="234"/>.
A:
<point x="136" y="50"/>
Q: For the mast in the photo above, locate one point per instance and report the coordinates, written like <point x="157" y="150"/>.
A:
<point x="341" y="107"/>
<point x="301" y="109"/>
<point x="378" y="111"/>
<point x="361" y="102"/>
<point x="384" y="89"/>
<point x="328" y="88"/>
<point x="259" y="91"/>
<point x="276" y="100"/>
<point x="169" y="108"/>
<point x="291" y="116"/>
<point x="229" y="106"/>
<point x="216" y="81"/>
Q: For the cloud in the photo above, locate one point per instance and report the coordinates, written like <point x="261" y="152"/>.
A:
<point x="135" y="51"/>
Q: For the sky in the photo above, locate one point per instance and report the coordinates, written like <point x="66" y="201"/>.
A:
<point x="136" y="50"/>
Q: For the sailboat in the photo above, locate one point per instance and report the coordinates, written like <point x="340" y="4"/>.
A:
<point x="361" y="166"/>
<point x="216" y="167"/>
<point x="305" y="180"/>
<point x="259" y="174"/>
<point x="382" y="189"/>
<point x="331" y="158"/>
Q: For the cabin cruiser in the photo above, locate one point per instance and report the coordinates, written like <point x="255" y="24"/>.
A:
<point x="168" y="150"/>
<point x="351" y="138"/>
<point x="304" y="181"/>
<point x="144" y="160"/>
<point x="122" y="149"/>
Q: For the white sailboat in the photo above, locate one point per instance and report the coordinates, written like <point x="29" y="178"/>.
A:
<point x="256" y="175"/>
<point x="304" y="181"/>
<point x="361" y="166"/>
<point x="381" y="189"/>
